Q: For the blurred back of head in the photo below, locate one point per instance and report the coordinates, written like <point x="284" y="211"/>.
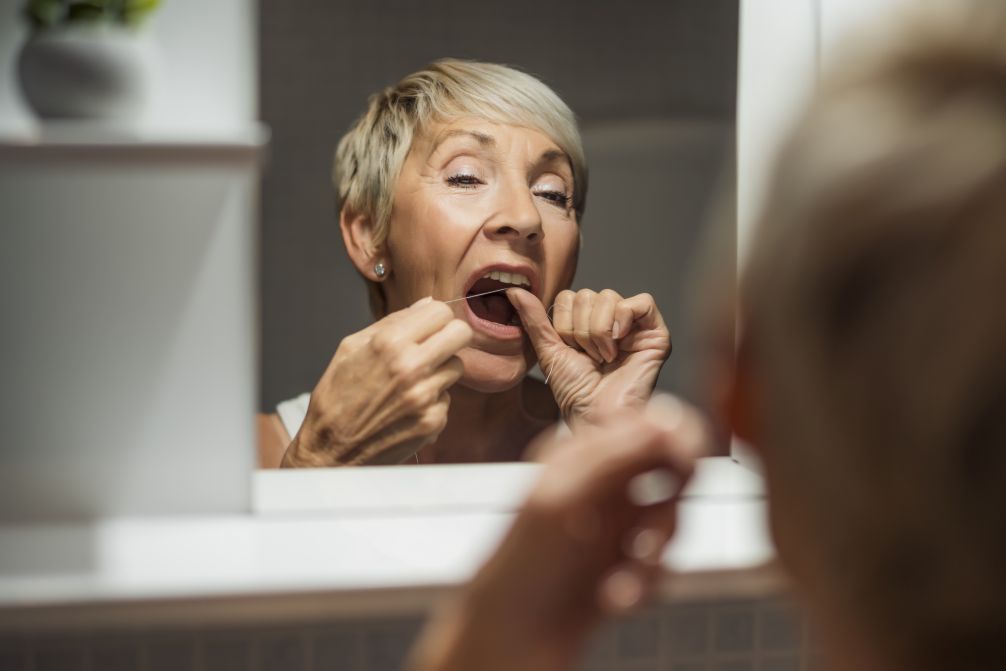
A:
<point x="874" y="314"/>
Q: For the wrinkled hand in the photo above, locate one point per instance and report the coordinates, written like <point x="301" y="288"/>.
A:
<point x="600" y="353"/>
<point x="384" y="394"/>
<point x="586" y="544"/>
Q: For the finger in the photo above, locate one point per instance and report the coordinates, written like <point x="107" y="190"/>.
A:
<point x="543" y="447"/>
<point x="562" y="317"/>
<point x="450" y="372"/>
<point x="623" y="588"/>
<point x="399" y="330"/>
<point x="434" y="419"/>
<point x="429" y="391"/>
<point x="583" y="304"/>
<point x="687" y="428"/>
<point x="648" y="456"/>
<point x="637" y="311"/>
<point x="426" y="422"/>
<point x="613" y="453"/>
<point x="394" y="317"/>
<point x="535" y="320"/>
<point x="602" y="319"/>
<point x="423" y="320"/>
<point x="635" y="448"/>
<point x="654" y="487"/>
<point x="647" y="542"/>
<point x="445" y="343"/>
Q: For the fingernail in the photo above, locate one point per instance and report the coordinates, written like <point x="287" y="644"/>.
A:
<point x="644" y="545"/>
<point x="621" y="591"/>
<point x="652" y="487"/>
<point x="424" y="300"/>
<point x="615" y="331"/>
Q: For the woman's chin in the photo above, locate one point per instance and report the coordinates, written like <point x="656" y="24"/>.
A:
<point x="492" y="373"/>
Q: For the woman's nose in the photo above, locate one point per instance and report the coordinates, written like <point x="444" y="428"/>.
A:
<point x="517" y="219"/>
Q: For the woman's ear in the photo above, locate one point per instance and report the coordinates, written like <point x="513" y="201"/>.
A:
<point x="358" y="236"/>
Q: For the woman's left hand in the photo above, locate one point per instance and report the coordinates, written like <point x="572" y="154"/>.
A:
<point x="600" y="353"/>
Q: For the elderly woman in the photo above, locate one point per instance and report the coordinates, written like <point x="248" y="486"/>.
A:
<point x="871" y="379"/>
<point x="461" y="190"/>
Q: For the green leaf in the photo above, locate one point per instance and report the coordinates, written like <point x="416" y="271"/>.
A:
<point x="135" y="11"/>
<point x="142" y="5"/>
<point x="42" y="14"/>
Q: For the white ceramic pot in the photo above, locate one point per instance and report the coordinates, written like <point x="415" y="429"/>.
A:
<point x="87" y="72"/>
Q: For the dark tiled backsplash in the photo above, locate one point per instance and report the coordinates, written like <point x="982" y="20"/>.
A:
<point x="760" y="635"/>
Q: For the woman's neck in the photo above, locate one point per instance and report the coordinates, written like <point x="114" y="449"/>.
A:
<point x="484" y="427"/>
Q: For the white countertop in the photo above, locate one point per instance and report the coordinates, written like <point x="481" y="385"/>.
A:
<point x="387" y="540"/>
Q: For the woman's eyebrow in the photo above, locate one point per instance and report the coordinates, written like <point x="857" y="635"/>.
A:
<point x="552" y="156"/>
<point x="486" y="141"/>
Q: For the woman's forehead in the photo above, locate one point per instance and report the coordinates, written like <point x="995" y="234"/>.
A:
<point x="492" y="135"/>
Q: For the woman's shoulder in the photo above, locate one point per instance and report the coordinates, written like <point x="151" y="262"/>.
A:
<point x="272" y="440"/>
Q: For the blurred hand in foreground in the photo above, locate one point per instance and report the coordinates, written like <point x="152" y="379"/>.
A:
<point x="586" y="543"/>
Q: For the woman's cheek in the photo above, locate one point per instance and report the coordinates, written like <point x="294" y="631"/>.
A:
<point x="564" y="253"/>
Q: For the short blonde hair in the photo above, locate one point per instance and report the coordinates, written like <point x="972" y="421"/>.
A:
<point x="874" y="318"/>
<point x="370" y="155"/>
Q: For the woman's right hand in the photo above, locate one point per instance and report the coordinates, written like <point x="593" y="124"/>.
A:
<point x="384" y="394"/>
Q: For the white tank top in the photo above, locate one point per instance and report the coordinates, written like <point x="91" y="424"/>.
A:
<point x="292" y="413"/>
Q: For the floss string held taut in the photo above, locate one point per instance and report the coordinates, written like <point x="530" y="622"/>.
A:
<point x="496" y="291"/>
<point x="484" y="293"/>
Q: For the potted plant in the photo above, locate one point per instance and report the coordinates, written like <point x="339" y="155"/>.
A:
<point x="84" y="59"/>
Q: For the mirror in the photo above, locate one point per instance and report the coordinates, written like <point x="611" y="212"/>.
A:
<point x="654" y="93"/>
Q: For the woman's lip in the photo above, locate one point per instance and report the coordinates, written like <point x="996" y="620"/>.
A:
<point x="492" y="329"/>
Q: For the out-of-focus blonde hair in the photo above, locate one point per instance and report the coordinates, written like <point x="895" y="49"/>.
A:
<point x="873" y="311"/>
<point x="370" y="155"/>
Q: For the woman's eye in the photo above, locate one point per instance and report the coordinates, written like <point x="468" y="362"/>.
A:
<point x="466" y="181"/>
<point x="557" y="198"/>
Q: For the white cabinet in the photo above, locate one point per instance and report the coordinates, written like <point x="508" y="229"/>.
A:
<point x="127" y="343"/>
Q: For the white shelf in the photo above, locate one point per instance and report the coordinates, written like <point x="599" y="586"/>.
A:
<point x="94" y="141"/>
<point x="313" y="562"/>
<point x="471" y="487"/>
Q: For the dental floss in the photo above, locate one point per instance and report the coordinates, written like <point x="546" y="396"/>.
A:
<point x="496" y="291"/>
<point x="549" y="373"/>
<point x="464" y="298"/>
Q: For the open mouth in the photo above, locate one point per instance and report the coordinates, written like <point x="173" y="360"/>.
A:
<point x="487" y="300"/>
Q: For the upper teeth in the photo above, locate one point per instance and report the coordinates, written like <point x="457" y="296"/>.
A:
<point x="508" y="278"/>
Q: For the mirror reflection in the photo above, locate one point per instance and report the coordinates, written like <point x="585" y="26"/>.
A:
<point x="467" y="291"/>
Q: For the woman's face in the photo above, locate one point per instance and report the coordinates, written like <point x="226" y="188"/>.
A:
<point x="479" y="206"/>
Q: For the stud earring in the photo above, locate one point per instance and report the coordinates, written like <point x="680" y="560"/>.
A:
<point x="380" y="270"/>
